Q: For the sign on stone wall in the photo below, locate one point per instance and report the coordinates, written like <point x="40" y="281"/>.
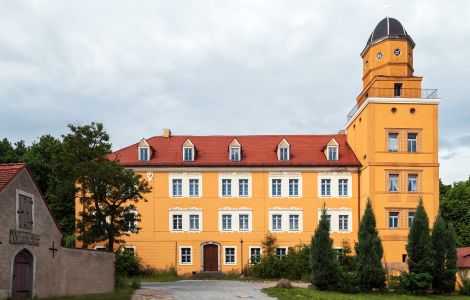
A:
<point x="21" y="237"/>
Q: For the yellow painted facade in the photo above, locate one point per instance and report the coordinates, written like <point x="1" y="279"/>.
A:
<point x="384" y="110"/>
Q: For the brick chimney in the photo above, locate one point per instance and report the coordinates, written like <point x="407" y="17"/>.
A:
<point x="166" y="133"/>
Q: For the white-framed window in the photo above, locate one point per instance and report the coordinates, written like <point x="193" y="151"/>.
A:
<point x="193" y="222"/>
<point x="326" y="187"/>
<point x="230" y="255"/>
<point x="393" y="183"/>
<point x="276" y="222"/>
<point x="243" y="187"/>
<point x="235" y="219"/>
<point x="129" y="249"/>
<point x="193" y="187"/>
<point x="411" y="216"/>
<point x="177" y="187"/>
<point x="185" y="219"/>
<point x="255" y="254"/>
<point x="144" y="153"/>
<point x="226" y="187"/>
<point x="412" y="142"/>
<point x="227" y="222"/>
<point x="332" y="152"/>
<point x="188" y="153"/>
<point x="393" y="142"/>
<point x="281" y="252"/>
<point x="393" y="219"/>
<point x="186" y="255"/>
<point x="283" y="153"/>
<point x="185" y="184"/>
<point x="177" y="222"/>
<point x="235" y="153"/>
<point x="343" y="187"/>
<point x="293" y="187"/>
<point x="412" y="183"/>
<point x="276" y="187"/>
<point x="294" y="222"/>
<point x="339" y="219"/>
<point x="343" y="222"/>
<point x="100" y="248"/>
<point x="243" y="222"/>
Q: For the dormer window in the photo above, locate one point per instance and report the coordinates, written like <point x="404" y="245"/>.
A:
<point x="332" y="150"/>
<point x="283" y="150"/>
<point x="235" y="151"/>
<point x="144" y="150"/>
<point x="188" y="151"/>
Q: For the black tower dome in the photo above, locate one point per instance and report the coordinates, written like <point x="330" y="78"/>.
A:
<point x="388" y="28"/>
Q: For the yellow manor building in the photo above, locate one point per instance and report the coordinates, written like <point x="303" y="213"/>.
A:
<point x="214" y="198"/>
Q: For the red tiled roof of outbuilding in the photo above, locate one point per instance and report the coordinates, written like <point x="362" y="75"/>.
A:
<point x="257" y="151"/>
<point x="463" y="257"/>
<point x="8" y="172"/>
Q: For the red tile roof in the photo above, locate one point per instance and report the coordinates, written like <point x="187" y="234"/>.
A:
<point x="8" y="172"/>
<point x="463" y="257"/>
<point x="257" y="150"/>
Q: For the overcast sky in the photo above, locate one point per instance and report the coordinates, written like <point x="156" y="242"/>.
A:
<point x="218" y="67"/>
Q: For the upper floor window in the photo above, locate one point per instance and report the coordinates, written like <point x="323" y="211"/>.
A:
<point x="143" y="153"/>
<point x="177" y="187"/>
<point x="393" y="219"/>
<point x="277" y="222"/>
<point x="412" y="183"/>
<point x="193" y="187"/>
<point x="243" y="187"/>
<point x="332" y="153"/>
<point x="194" y="222"/>
<point x="397" y="89"/>
<point x="243" y="222"/>
<point x="326" y="187"/>
<point x="188" y="151"/>
<point x="226" y="187"/>
<point x="276" y="187"/>
<point x="177" y="222"/>
<point x="412" y="142"/>
<point x="293" y="222"/>
<point x="293" y="187"/>
<point x="411" y="216"/>
<point x="393" y="142"/>
<point x="227" y="222"/>
<point x="25" y="211"/>
<point x="283" y="152"/>
<point x="343" y="187"/>
<point x="343" y="223"/>
<point x="393" y="182"/>
<point x="234" y="153"/>
<point x="328" y="219"/>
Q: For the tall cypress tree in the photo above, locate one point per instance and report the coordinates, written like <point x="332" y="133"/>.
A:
<point x="439" y="240"/>
<point x="325" y="270"/>
<point x="419" y="247"/>
<point x="451" y="260"/>
<point x="369" y="252"/>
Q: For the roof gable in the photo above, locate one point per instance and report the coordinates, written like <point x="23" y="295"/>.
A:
<point x="143" y="143"/>
<point x="8" y="172"/>
<point x="188" y="143"/>
<point x="235" y="143"/>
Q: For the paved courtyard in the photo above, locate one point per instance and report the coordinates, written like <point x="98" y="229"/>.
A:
<point x="202" y="290"/>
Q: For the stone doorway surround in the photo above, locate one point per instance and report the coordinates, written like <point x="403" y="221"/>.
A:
<point x="206" y="248"/>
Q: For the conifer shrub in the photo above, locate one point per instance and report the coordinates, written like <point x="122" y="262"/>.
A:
<point x="127" y="264"/>
<point x="323" y="260"/>
<point x="369" y="253"/>
<point x="444" y="257"/>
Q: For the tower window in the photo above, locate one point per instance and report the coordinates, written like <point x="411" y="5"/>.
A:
<point x="393" y="142"/>
<point x="397" y="90"/>
<point x="397" y="52"/>
<point x="393" y="183"/>
<point x="393" y="219"/>
<point x="412" y="142"/>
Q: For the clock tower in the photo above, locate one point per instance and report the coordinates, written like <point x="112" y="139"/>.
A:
<point x="388" y="63"/>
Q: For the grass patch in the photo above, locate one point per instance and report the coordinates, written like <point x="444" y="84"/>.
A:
<point x="120" y="294"/>
<point x="304" y="294"/>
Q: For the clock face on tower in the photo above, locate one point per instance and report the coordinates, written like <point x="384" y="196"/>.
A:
<point x="379" y="55"/>
<point x="397" y="52"/>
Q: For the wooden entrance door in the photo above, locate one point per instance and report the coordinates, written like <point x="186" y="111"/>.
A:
<point x="211" y="257"/>
<point x="21" y="287"/>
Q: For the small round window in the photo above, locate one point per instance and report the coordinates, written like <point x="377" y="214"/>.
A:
<point x="397" y="52"/>
<point x="412" y="110"/>
<point x="394" y="110"/>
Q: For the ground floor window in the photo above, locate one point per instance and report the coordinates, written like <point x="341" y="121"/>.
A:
<point x="255" y="255"/>
<point x="129" y="249"/>
<point x="230" y="256"/>
<point x="185" y="255"/>
<point x="281" y="252"/>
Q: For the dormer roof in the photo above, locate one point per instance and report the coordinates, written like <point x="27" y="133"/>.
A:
<point x="234" y="143"/>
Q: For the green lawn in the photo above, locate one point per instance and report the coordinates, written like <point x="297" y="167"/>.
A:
<point x="304" y="294"/>
<point x="120" y="294"/>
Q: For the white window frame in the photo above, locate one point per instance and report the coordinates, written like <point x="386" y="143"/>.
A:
<point x="196" y="195"/>
<point x="226" y="187"/>
<point x="185" y="177"/>
<point x="334" y="184"/>
<point x="336" y="152"/>
<point x="285" y="213"/>
<point x="247" y="188"/>
<point x="396" y="146"/>
<point x="235" y="213"/>
<point x="298" y="187"/>
<point x="285" y="178"/>
<point x="234" y="256"/>
<point x="250" y="255"/>
<point x="280" y="153"/>
<point x="247" y="222"/>
<point x="227" y="219"/>
<point x="298" y="222"/>
<point x="198" y="222"/>
<point x="415" y="183"/>
<point x="334" y="214"/>
<point x="397" y="217"/>
<point x="184" y="153"/>
<point x="391" y="186"/>
<point x="282" y="247"/>
<point x="140" y="153"/>
<point x="99" y="248"/>
<point x="185" y="213"/>
<point x="412" y="141"/>
<point x="341" y="224"/>
<point x="180" y="254"/>
<point x="232" y="152"/>
<point x="134" y="249"/>
<point x="341" y="188"/>
<point x="235" y="178"/>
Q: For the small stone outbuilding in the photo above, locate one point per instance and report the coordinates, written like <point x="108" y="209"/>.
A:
<point x="32" y="261"/>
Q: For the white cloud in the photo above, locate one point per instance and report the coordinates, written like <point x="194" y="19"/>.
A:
<point x="213" y="67"/>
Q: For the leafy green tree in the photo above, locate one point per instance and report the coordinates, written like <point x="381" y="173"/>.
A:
<point x="420" y="253"/>
<point x="109" y="193"/>
<point x="323" y="260"/>
<point x="10" y="154"/>
<point x="455" y="209"/>
<point x="369" y="252"/>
